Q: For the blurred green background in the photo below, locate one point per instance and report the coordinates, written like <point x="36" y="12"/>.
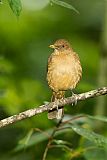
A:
<point x="24" y="52"/>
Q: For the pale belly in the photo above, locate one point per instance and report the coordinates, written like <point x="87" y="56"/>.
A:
<point x="63" y="76"/>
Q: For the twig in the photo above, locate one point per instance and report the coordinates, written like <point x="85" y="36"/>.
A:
<point x="51" y="139"/>
<point x="43" y="132"/>
<point x="57" y="128"/>
<point x="44" y="108"/>
<point x="73" y="119"/>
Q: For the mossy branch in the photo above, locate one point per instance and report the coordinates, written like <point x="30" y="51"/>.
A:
<point x="43" y="108"/>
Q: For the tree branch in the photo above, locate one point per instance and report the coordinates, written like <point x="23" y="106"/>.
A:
<point x="51" y="138"/>
<point x="44" y="108"/>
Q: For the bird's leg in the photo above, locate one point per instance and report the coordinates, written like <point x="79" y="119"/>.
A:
<point x="60" y="111"/>
<point x="75" y="97"/>
<point x="56" y="102"/>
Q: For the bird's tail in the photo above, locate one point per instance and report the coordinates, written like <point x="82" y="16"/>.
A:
<point x="59" y="111"/>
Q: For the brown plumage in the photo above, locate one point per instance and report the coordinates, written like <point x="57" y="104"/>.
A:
<point x="64" y="72"/>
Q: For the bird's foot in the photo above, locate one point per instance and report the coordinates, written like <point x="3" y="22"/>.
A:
<point x="75" y="98"/>
<point x="56" y="102"/>
<point x="59" y="110"/>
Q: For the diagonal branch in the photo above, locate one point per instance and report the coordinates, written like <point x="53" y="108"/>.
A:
<point x="44" y="108"/>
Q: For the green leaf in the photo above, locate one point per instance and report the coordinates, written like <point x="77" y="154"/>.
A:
<point x="95" y="154"/>
<point x="26" y="139"/>
<point x="36" y="138"/>
<point x="64" y="147"/>
<point x="61" y="142"/>
<point x="99" y="140"/>
<point x="16" y="6"/>
<point x="100" y="118"/>
<point x="64" y="4"/>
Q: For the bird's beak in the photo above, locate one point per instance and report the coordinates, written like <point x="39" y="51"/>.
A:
<point x="52" y="46"/>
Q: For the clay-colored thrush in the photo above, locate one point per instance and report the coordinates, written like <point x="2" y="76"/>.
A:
<point x="64" y="72"/>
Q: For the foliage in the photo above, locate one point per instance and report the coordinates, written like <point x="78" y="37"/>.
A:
<point x="23" y="59"/>
<point x="64" y="4"/>
<point x="16" y="7"/>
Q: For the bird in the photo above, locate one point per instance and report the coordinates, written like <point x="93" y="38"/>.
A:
<point x="64" y="71"/>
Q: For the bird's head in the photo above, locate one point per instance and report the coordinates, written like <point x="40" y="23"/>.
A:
<point x="60" y="45"/>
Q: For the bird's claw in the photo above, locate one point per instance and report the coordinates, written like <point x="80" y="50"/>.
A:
<point x="56" y="104"/>
<point x="75" y="99"/>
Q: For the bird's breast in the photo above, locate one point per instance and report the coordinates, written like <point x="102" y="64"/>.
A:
<point x="63" y="72"/>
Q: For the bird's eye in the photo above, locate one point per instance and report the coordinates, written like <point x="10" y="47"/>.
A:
<point x="63" y="46"/>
